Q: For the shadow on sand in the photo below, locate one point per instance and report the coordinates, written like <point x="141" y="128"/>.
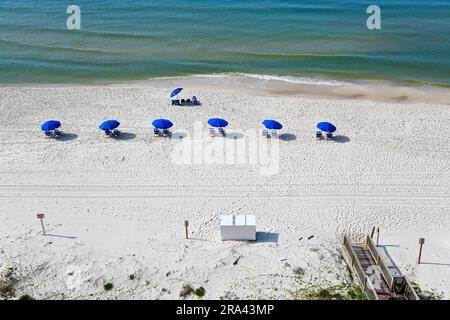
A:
<point x="67" y="137"/>
<point x="436" y="264"/>
<point x="341" y="139"/>
<point x="234" y="135"/>
<point x="288" y="137"/>
<point x="392" y="264"/>
<point x="59" y="236"/>
<point x="267" y="237"/>
<point x="178" y="135"/>
<point x="124" y="136"/>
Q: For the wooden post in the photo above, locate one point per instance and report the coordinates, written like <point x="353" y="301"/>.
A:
<point x="421" y="243"/>
<point x="373" y="231"/>
<point x="41" y="216"/>
<point x="378" y="236"/>
<point x="186" y="224"/>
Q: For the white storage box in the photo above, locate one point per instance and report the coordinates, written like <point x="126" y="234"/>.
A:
<point x="238" y="227"/>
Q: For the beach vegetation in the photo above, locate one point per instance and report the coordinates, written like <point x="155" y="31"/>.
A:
<point x="298" y="271"/>
<point x="26" y="297"/>
<point x="132" y="277"/>
<point x="186" y="290"/>
<point x="199" y="292"/>
<point x="7" y="285"/>
<point x="425" y="295"/>
<point x="108" y="286"/>
<point x="356" y="293"/>
<point x="337" y="293"/>
<point x="324" y="294"/>
<point x="7" y="290"/>
<point x="228" y="296"/>
<point x="349" y="272"/>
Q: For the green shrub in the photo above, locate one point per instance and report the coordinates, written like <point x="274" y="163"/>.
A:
<point x="298" y="271"/>
<point x="7" y="289"/>
<point x="186" y="290"/>
<point x="108" y="286"/>
<point x="199" y="292"/>
<point x="350" y="273"/>
<point x="356" y="293"/>
<point x="325" y="294"/>
<point x="337" y="293"/>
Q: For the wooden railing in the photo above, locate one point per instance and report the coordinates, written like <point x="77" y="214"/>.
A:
<point x="366" y="283"/>
<point x="410" y="293"/>
<point x="397" y="284"/>
<point x="370" y="291"/>
<point x="380" y="262"/>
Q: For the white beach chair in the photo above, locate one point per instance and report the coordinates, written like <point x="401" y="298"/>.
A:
<point x="57" y="133"/>
<point x="157" y="132"/>
<point x="222" y="132"/>
<point x="167" y="133"/>
<point x="265" y="134"/>
<point x="274" y="134"/>
<point x="212" y="132"/>
<point x="116" y="133"/>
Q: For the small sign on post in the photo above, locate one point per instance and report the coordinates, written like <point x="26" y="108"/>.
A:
<point x="373" y="231"/>
<point x="378" y="237"/>
<point x="186" y="225"/>
<point x="41" y="217"/>
<point x="421" y="243"/>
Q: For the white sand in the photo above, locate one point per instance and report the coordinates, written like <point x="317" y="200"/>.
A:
<point x="124" y="201"/>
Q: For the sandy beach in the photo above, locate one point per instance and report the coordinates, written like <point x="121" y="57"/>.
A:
<point x="114" y="209"/>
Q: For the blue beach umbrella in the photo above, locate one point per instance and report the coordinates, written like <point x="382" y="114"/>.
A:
<point x="217" y="122"/>
<point x="50" y="125"/>
<point x="162" y="124"/>
<point x="175" y="92"/>
<point x="272" y="124"/>
<point x="326" y="126"/>
<point x="109" y="125"/>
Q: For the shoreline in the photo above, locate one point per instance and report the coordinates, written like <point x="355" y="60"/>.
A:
<point x="268" y="85"/>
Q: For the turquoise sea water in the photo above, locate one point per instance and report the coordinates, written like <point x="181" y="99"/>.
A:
<point x="136" y="39"/>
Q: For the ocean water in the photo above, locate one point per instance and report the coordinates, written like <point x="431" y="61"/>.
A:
<point x="122" y="40"/>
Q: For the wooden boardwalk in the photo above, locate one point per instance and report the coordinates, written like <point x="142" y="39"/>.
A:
<point x="380" y="279"/>
<point x="372" y="270"/>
